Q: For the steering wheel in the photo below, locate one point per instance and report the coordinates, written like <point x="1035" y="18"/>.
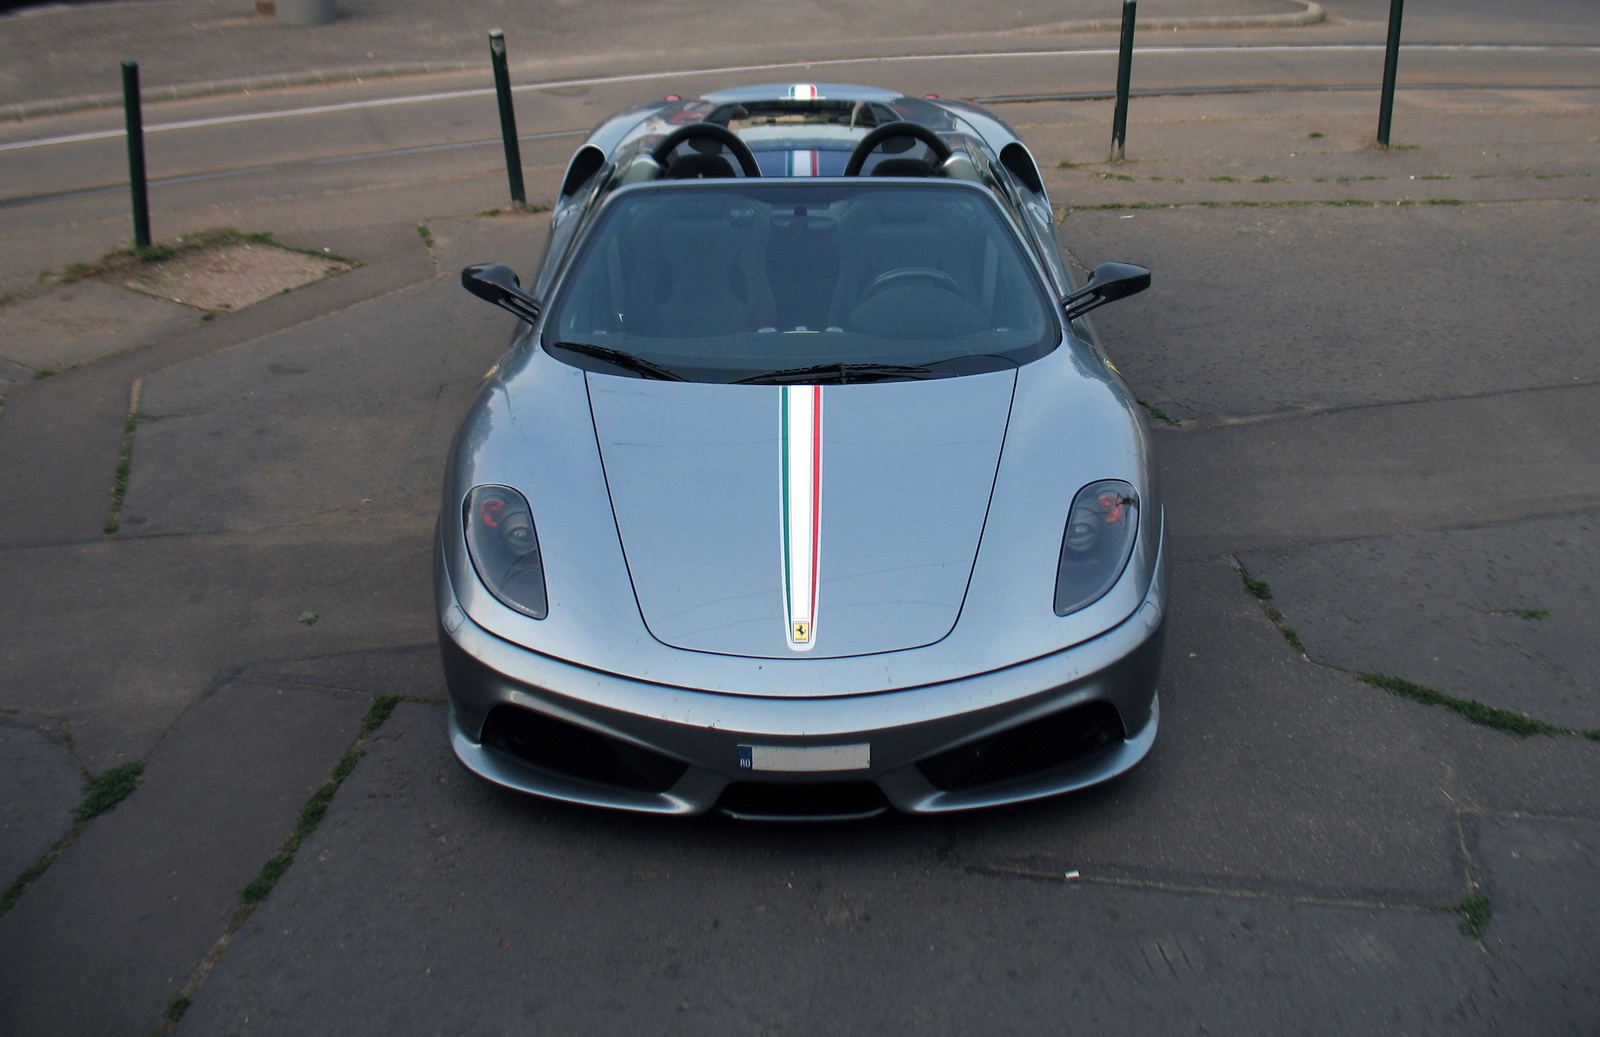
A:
<point x="721" y="134"/>
<point x="901" y="275"/>
<point x="858" y="157"/>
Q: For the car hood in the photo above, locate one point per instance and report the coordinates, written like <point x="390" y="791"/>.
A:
<point x="855" y="510"/>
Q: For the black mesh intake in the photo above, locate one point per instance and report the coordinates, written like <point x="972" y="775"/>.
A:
<point x="803" y="800"/>
<point x="1039" y="745"/>
<point x="556" y="745"/>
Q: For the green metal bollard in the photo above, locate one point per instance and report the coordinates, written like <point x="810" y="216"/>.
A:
<point x="508" y="117"/>
<point x="1119" y="121"/>
<point x="136" y="180"/>
<point x="1391" y="61"/>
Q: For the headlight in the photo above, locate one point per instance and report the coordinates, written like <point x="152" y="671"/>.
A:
<point x="1095" y="548"/>
<point x="505" y="548"/>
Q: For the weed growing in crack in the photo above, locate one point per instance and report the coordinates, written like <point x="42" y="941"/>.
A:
<point x="425" y="234"/>
<point x="108" y="788"/>
<point x="1519" y="724"/>
<point x="1474" y="910"/>
<point x="179" y="1006"/>
<point x="105" y="790"/>
<point x="1531" y="613"/>
<point x="1287" y="631"/>
<point x="1260" y="588"/>
<point x="311" y="812"/>
<point x="119" y="478"/>
<point x="1159" y="414"/>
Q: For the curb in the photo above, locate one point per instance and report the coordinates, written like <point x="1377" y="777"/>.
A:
<point x="1310" y="16"/>
<point x="18" y="111"/>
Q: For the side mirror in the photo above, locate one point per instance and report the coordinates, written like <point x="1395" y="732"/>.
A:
<point x="498" y="283"/>
<point x="1108" y="283"/>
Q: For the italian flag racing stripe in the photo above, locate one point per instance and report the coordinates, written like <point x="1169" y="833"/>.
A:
<point x="802" y="510"/>
<point x="802" y="163"/>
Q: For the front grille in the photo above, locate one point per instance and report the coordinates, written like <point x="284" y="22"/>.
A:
<point x="802" y="800"/>
<point x="1039" y="745"/>
<point x="577" y="752"/>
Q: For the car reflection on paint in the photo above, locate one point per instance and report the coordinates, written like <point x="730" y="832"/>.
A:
<point x="804" y="489"/>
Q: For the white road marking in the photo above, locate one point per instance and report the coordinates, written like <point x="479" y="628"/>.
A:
<point x="636" y="77"/>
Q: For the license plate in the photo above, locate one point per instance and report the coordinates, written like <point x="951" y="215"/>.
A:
<point x="802" y="758"/>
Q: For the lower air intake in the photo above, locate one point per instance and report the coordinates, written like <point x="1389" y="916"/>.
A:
<point x="1039" y="745"/>
<point x="577" y="752"/>
<point x="757" y="799"/>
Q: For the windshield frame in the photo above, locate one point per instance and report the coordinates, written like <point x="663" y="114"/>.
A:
<point x="1056" y="333"/>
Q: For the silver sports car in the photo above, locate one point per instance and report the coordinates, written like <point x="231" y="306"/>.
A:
<point x="803" y="489"/>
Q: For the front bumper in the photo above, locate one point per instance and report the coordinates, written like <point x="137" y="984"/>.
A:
<point x="703" y="731"/>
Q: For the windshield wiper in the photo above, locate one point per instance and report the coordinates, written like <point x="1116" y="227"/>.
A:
<point x="838" y="373"/>
<point x="627" y="361"/>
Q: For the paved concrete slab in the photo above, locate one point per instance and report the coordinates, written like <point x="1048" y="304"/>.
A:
<point x="1268" y="773"/>
<point x="331" y="416"/>
<point x="82" y="321"/>
<point x="1373" y="471"/>
<point x="1440" y="609"/>
<point x="411" y="670"/>
<point x="120" y="637"/>
<point x="431" y="902"/>
<point x="1259" y="311"/>
<point x="1542" y="877"/>
<point x="60" y="437"/>
<point x="10" y="372"/>
<point x="40" y="783"/>
<point x="1505" y="775"/>
<point x="110" y="933"/>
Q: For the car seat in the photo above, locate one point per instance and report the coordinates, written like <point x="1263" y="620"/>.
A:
<point x="699" y="269"/>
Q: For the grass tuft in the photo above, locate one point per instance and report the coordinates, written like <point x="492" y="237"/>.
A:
<point x="1260" y="588"/>
<point x="1474" y="909"/>
<point x="382" y="706"/>
<point x="105" y="790"/>
<point x="1265" y="179"/>
<point x="179" y="1006"/>
<point x="1315" y="134"/>
<point x="425" y="234"/>
<point x="43" y="372"/>
<point x="1224" y="179"/>
<point x="108" y="788"/>
<point x="1518" y="724"/>
<point x="1531" y="613"/>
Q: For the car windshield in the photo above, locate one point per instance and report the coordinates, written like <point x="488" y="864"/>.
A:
<point x="821" y="281"/>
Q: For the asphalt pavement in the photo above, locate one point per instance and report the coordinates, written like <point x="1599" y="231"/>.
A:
<point x="1370" y="376"/>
